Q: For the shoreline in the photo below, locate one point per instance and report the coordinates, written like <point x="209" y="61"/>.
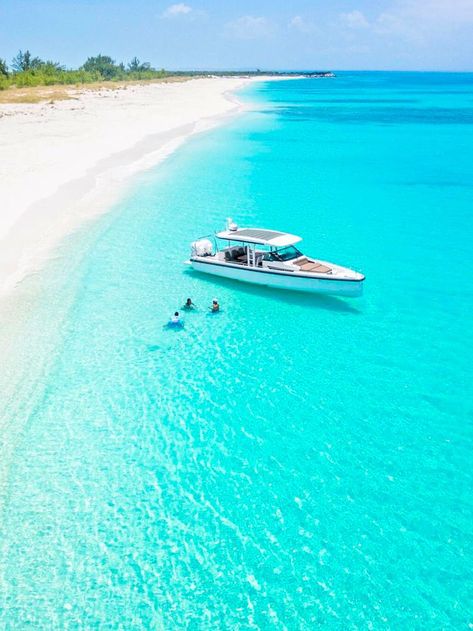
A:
<point x="70" y="162"/>
<point x="33" y="246"/>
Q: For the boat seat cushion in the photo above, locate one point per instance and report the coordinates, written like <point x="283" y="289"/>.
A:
<point x="317" y="268"/>
<point x="234" y="254"/>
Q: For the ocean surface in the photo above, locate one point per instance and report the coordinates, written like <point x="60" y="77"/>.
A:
<point x="296" y="461"/>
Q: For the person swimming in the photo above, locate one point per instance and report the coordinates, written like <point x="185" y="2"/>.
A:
<point x="215" y="306"/>
<point x="175" y="322"/>
<point x="189" y="305"/>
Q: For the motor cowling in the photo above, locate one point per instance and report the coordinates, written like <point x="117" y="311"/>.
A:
<point x="202" y="247"/>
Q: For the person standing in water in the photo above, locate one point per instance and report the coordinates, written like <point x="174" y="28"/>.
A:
<point x="189" y="305"/>
<point x="215" y="306"/>
<point x="175" y="318"/>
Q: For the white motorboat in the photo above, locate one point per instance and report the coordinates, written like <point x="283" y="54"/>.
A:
<point x="269" y="257"/>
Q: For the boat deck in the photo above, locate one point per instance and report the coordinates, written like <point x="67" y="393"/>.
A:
<point x="314" y="267"/>
<point x="303" y="264"/>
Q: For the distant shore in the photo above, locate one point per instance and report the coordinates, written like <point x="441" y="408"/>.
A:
<point x="66" y="160"/>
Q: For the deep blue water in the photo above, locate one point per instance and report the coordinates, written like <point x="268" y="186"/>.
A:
<point x="296" y="461"/>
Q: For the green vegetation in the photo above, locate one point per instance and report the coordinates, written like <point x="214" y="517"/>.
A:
<point x="26" y="70"/>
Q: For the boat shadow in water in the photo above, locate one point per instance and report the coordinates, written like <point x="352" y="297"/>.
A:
<point x="299" y="298"/>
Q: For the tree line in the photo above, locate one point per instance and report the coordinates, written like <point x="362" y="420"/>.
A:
<point x="26" y="70"/>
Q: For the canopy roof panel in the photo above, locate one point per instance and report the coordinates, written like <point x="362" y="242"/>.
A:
<point x="260" y="236"/>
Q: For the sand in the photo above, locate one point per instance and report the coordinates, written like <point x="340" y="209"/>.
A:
<point x="62" y="163"/>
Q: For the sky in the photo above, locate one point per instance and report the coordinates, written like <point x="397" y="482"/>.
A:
<point x="265" y="34"/>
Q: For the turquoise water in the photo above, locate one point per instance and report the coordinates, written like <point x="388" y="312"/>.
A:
<point x="296" y="461"/>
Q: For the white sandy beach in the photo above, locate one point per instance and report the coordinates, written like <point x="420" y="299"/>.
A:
<point x="63" y="162"/>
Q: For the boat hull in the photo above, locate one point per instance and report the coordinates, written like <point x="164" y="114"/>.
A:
<point x="282" y="280"/>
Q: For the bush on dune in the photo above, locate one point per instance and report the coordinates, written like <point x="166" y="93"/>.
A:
<point x="29" y="71"/>
<point x="3" y="68"/>
<point x="105" y="66"/>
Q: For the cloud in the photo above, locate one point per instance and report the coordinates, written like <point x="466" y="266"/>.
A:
<point x="425" y="21"/>
<point x="176" y="10"/>
<point x="249" y="27"/>
<point x="354" y="19"/>
<point x="303" y="26"/>
<point x="417" y="21"/>
<point x="432" y="12"/>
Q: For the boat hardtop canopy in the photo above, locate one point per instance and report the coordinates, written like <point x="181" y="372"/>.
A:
<point x="259" y="236"/>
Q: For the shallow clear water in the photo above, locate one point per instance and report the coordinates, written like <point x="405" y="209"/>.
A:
<point x="294" y="461"/>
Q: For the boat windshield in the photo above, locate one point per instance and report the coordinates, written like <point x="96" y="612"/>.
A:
<point x="284" y="254"/>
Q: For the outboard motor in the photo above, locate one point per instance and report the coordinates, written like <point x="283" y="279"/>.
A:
<point x="202" y="247"/>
